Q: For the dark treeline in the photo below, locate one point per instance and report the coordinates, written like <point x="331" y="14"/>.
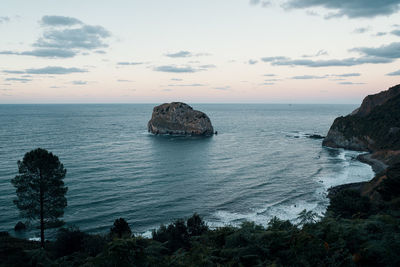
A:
<point x="355" y="231"/>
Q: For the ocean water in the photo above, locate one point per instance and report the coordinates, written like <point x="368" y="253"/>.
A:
<point x="261" y="164"/>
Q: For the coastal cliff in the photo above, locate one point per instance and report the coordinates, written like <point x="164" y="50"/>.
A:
<point x="374" y="126"/>
<point x="179" y="119"/>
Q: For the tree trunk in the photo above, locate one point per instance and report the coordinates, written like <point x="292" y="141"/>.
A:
<point x="41" y="213"/>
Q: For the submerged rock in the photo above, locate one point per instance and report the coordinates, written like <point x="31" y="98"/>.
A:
<point x="179" y="119"/>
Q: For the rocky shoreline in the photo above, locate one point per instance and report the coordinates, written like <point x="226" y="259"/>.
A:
<point x="377" y="165"/>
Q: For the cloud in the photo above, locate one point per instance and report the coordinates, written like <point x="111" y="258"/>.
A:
<point x="183" y="53"/>
<point x="395" y="32"/>
<point x="362" y="30"/>
<point x="14" y="71"/>
<point x="346" y="75"/>
<point x="267" y="83"/>
<point x="124" y="81"/>
<point x="270" y="59"/>
<point x="72" y="39"/>
<point x="369" y="55"/>
<point x="47" y="70"/>
<point x="263" y="3"/>
<point x="380" y="33"/>
<point x="176" y="79"/>
<point x="349" y="83"/>
<point x="22" y="80"/>
<point x="50" y="53"/>
<point x="209" y="66"/>
<point x="179" y="54"/>
<point x="79" y="82"/>
<point x="271" y="80"/>
<point x="85" y="37"/>
<point x="349" y="8"/>
<point x="183" y="68"/>
<point x="175" y="69"/>
<point x="312" y="13"/>
<point x="330" y="62"/>
<point x="266" y="4"/>
<point x="269" y="75"/>
<point x="254" y="2"/>
<point x="390" y="51"/>
<point x="129" y="63"/>
<point x="395" y="73"/>
<point x="319" y="53"/>
<point x="252" y="61"/>
<point x="4" y="19"/>
<point x="223" y="88"/>
<point x="308" y="77"/>
<point x="187" y="85"/>
<point x="59" y="21"/>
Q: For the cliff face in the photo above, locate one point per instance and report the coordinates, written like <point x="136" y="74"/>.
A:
<point x="373" y="127"/>
<point x="371" y="101"/>
<point x="179" y="119"/>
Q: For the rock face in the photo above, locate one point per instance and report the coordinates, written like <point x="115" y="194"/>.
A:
<point x="371" y="101"/>
<point x="179" y="119"/>
<point x="372" y="127"/>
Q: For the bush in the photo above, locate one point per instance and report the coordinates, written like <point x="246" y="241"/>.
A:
<point x="348" y="203"/>
<point x="69" y="240"/>
<point x="196" y="226"/>
<point x="390" y="187"/>
<point x="176" y="235"/>
<point x="120" y="229"/>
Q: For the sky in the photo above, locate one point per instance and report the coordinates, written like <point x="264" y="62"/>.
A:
<point x="198" y="51"/>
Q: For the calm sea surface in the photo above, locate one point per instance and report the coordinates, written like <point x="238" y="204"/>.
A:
<point x="260" y="165"/>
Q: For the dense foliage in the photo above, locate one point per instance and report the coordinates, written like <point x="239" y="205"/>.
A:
<point x="355" y="231"/>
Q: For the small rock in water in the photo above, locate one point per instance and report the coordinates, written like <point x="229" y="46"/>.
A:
<point x="316" y="136"/>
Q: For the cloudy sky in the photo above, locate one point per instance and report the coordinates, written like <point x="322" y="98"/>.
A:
<point x="197" y="51"/>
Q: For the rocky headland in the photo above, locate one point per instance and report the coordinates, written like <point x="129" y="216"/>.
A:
<point x="375" y="128"/>
<point x="178" y="118"/>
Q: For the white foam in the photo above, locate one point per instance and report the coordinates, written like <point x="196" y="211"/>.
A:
<point x="353" y="171"/>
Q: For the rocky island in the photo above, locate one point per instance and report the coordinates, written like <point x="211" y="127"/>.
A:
<point x="178" y="118"/>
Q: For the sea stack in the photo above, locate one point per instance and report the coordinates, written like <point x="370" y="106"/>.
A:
<point x="178" y="118"/>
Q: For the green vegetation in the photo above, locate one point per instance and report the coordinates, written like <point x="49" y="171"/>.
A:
<point x="40" y="189"/>
<point x="341" y="238"/>
<point x="355" y="231"/>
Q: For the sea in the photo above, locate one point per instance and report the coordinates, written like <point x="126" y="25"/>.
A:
<point x="260" y="165"/>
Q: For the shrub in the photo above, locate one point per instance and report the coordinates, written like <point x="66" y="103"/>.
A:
<point x="176" y="235"/>
<point x="390" y="187"/>
<point x="120" y="229"/>
<point x="196" y="226"/>
<point x="69" y="240"/>
<point x="348" y="202"/>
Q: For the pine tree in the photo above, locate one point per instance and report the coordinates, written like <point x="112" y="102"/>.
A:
<point x="40" y="188"/>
